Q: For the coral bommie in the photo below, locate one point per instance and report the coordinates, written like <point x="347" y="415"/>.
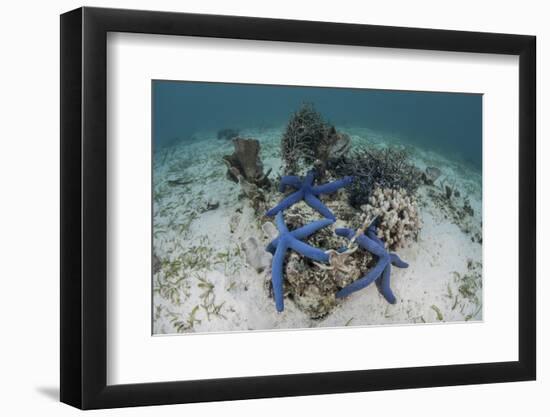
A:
<point x="398" y="215"/>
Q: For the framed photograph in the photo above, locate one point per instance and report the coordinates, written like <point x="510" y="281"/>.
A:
<point x="257" y="207"/>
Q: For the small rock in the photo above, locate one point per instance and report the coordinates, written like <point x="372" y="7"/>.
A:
<point x="468" y="208"/>
<point x="430" y="175"/>
<point x="340" y="144"/>
<point x="270" y="230"/>
<point x="448" y="192"/>
<point x="256" y="255"/>
<point x="212" y="205"/>
<point x="234" y="222"/>
<point x="157" y="264"/>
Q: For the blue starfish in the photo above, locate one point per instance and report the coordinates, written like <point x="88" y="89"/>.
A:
<point x="292" y="240"/>
<point x="308" y="192"/>
<point x="381" y="271"/>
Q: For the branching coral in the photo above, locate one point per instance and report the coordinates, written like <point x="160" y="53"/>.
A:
<point x="371" y="167"/>
<point x="305" y="128"/>
<point x="398" y="215"/>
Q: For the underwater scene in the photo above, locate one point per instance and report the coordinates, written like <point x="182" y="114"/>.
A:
<point x="289" y="207"/>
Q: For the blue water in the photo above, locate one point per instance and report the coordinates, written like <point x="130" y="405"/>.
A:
<point x="448" y="123"/>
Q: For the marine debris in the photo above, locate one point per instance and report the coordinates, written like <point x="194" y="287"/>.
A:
<point x="227" y="133"/>
<point x="292" y="240"/>
<point x="398" y="216"/>
<point x="371" y="168"/>
<point x="380" y="274"/>
<point x="305" y="190"/>
<point x="308" y="138"/>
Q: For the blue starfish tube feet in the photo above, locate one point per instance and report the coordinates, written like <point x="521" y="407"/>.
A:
<point x="381" y="271"/>
<point x="292" y="240"/>
<point x="305" y="190"/>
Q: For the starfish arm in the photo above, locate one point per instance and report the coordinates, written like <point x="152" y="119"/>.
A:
<point x="281" y="226"/>
<point x="372" y="232"/>
<point x="277" y="276"/>
<point x="286" y="203"/>
<point x="280" y="222"/>
<point x="273" y="245"/>
<point x="310" y="177"/>
<point x="374" y="224"/>
<point x="383" y="285"/>
<point x="309" y="229"/>
<point x="371" y="245"/>
<point x="308" y="251"/>
<point x="373" y="236"/>
<point x="345" y="232"/>
<point x="316" y="204"/>
<point x="361" y="283"/>
<point x="290" y="181"/>
<point x="397" y="261"/>
<point x="332" y="187"/>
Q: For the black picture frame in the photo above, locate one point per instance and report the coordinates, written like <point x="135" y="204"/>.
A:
<point x="84" y="207"/>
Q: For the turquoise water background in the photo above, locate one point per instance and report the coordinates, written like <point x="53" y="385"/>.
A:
<point x="448" y="123"/>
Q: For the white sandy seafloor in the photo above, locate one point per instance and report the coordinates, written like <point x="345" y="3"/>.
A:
<point x="205" y="285"/>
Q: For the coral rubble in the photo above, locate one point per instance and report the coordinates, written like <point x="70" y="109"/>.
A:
<point x="311" y="285"/>
<point x="314" y="289"/>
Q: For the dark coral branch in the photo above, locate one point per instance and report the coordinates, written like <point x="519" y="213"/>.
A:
<point x="371" y="168"/>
